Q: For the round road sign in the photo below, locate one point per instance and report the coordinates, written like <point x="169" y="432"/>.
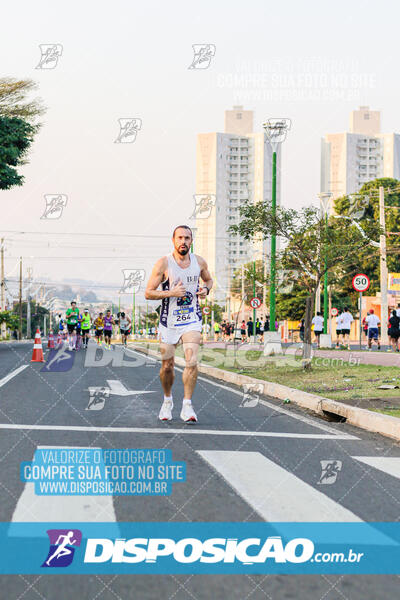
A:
<point x="255" y="303"/>
<point x="361" y="282"/>
<point x="206" y="310"/>
<point x="334" y="312"/>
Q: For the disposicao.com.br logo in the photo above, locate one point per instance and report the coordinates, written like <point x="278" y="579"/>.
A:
<point x="191" y="550"/>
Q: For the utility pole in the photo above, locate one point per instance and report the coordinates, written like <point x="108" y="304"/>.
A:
<point x="383" y="268"/>
<point x="20" y="298"/>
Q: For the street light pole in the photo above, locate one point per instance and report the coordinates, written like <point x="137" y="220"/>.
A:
<point x="325" y="198"/>
<point x="383" y="268"/>
<point x="272" y="289"/>
<point x="275" y="130"/>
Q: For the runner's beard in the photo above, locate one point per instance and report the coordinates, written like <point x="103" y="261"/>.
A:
<point x="183" y="250"/>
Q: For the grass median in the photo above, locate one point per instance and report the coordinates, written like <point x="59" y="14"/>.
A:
<point x="335" y="378"/>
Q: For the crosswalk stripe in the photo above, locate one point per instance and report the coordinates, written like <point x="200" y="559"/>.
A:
<point x="387" y="464"/>
<point x="273" y="492"/>
<point x="11" y="375"/>
<point x="34" y="508"/>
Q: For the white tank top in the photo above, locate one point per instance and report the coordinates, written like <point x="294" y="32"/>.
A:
<point x="178" y="312"/>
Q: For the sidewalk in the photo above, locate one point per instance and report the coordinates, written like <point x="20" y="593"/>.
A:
<point x="379" y="357"/>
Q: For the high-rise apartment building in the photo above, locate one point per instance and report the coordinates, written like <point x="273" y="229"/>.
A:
<point x="348" y="160"/>
<point x="231" y="167"/>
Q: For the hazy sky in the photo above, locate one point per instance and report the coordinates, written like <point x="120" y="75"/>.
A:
<point x="312" y="62"/>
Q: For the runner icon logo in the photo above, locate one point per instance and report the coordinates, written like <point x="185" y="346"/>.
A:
<point x="203" y="205"/>
<point x="128" y="129"/>
<point x="203" y="54"/>
<point x="62" y="547"/>
<point x="50" y="53"/>
<point x="251" y="394"/>
<point x="97" y="398"/>
<point x="59" y="360"/>
<point x="132" y="280"/>
<point x="330" y="470"/>
<point x="55" y="204"/>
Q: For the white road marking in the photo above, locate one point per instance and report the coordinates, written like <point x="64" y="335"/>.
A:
<point x="12" y="374"/>
<point x="273" y="492"/>
<point x="36" y="508"/>
<point x="387" y="464"/>
<point x="118" y="389"/>
<point x="188" y="430"/>
<point x="275" y="407"/>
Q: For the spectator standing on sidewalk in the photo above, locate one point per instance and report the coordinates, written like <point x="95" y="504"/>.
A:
<point x="318" y="323"/>
<point x="347" y="319"/>
<point x="266" y="324"/>
<point x="398" y="310"/>
<point x="301" y="330"/>
<point x="243" y="330"/>
<point x="394" y="331"/>
<point x="373" y="331"/>
<point x="258" y="327"/>
<point x="249" y="328"/>
<point x="338" y="329"/>
<point x="216" y="331"/>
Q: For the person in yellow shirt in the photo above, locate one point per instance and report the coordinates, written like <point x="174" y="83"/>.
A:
<point x="99" y="326"/>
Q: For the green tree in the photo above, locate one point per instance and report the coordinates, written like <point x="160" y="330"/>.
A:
<point x="364" y="207"/>
<point x="310" y="247"/>
<point x="37" y="317"/>
<point x="11" y="320"/>
<point x="248" y="272"/>
<point x="13" y="103"/>
<point x="18" y="126"/>
<point x="16" y="137"/>
<point x="218" y="311"/>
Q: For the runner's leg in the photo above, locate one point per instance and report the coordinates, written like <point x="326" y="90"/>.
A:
<point x="167" y="380"/>
<point x="191" y="343"/>
<point x="167" y="374"/>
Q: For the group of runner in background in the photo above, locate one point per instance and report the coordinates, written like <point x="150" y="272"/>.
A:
<point x="77" y="326"/>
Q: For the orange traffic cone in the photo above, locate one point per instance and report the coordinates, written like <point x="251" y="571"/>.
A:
<point x="50" y="341"/>
<point x="37" y="354"/>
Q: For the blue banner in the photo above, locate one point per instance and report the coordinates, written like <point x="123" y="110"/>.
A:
<point x="209" y="548"/>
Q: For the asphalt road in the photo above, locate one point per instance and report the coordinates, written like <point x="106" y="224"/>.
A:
<point x="39" y="408"/>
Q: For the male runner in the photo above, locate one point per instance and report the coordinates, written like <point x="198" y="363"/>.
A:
<point x="99" y="326"/>
<point x="180" y="317"/>
<point x="108" y="325"/>
<point x="85" y="327"/>
<point x="124" y="327"/>
<point x="72" y="315"/>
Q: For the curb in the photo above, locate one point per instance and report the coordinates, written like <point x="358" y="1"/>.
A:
<point x="359" y="417"/>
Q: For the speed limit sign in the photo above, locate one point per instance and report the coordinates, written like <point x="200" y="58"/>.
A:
<point x="334" y="312"/>
<point x="361" y="282"/>
<point x="206" y="310"/>
<point x="255" y="303"/>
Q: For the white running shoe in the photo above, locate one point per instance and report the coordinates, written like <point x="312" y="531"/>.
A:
<point x="187" y="413"/>
<point x="165" y="413"/>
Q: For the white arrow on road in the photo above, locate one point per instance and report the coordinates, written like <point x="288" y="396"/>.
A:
<point x="117" y="388"/>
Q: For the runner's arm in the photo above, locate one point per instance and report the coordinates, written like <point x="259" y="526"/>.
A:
<point x="156" y="278"/>
<point x="206" y="277"/>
